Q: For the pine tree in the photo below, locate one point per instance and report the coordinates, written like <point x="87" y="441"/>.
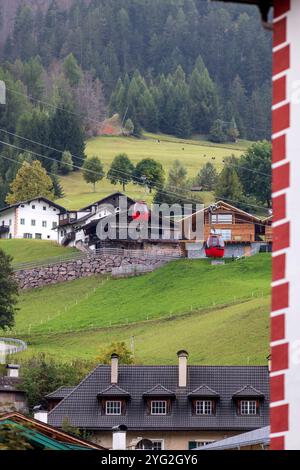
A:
<point x="72" y="71"/>
<point x="56" y="184"/>
<point x="31" y="181"/>
<point x="229" y="187"/>
<point x="217" y="133"/>
<point x="177" y="175"/>
<point x="66" y="163"/>
<point x="207" y="177"/>
<point x="8" y="292"/>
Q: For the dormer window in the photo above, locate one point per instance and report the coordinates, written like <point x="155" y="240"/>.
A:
<point x="159" y="407"/>
<point x="248" y="407"/>
<point x="113" y="407"/>
<point x="204" y="407"/>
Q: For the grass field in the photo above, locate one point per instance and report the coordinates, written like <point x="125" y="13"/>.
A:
<point x="24" y="251"/>
<point x="165" y="149"/>
<point x="157" y="308"/>
<point x="235" y="335"/>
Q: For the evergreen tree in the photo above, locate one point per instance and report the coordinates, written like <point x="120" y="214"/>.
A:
<point x="66" y="134"/>
<point x="66" y="163"/>
<point x="229" y="187"/>
<point x="177" y="175"/>
<point x="31" y="181"/>
<point x="33" y="79"/>
<point x="56" y="184"/>
<point x="121" y="170"/>
<point x="233" y="131"/>
<point x="129" y="127"/>
<point x="8" y="292"/>
<point x="207" y="177"/>
<point x="93" y="171"/>
<point x="72" y="70"/>
<point x="217" y="133"/>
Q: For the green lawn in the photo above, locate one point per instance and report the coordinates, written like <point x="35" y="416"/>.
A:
<point x="192" y="153"/>
<point x="175" y="289"/>
<point x="24" y="251"/>
<point x="236" y="335"/>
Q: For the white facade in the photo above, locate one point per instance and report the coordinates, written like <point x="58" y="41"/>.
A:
<point x="36" y="219"/>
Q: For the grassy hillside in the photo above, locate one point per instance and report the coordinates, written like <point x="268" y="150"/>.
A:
<point x="165" y="149"/>
<point x="178" y="288"/>
<point x="233" y="335"/>
<point x="24" y="251"/>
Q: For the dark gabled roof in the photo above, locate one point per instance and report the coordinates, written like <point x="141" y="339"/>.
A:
<point x="10" y="384"/>
<point x="42" y="198"/>
<point x="107" y="198"/>
<point x="60" y="393"/>
<point x="82" y="406"/>
<point x="203" y="391"/>
<point x="248" y="391"/>
<point x="158" y="391"/>
<point x="113" y="391"/>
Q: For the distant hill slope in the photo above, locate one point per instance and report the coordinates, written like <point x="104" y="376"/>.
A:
<point x="178" y="288"/>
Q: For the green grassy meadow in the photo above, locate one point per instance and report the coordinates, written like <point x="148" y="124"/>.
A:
<point x="24" y="251"/>
<point x="192" y="153"/>
<point x="182" y="302"/>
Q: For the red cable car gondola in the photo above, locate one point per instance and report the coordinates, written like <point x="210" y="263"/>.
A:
<point x="214" y="246"/>
<point x="140" y="211"/>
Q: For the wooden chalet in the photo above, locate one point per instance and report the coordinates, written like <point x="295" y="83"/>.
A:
<point x="243" y="233"/>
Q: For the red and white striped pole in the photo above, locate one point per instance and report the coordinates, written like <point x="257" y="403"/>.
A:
<point x="285" y="317"/>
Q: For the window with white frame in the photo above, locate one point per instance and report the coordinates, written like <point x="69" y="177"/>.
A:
<point x="221" y="218"/>
<point x="22" y="221"/>
<point x="225" y="234"/>
<point x="27" y="235"/>
<point x="204" y="407"/>
<point x="113" y="407"/>
<point x="157" y="444"/>
<point x="196" y="444"/>
<point x="44" y="223"/>
<point x="159" y="407"/>
<point x="248" y="407"/>
<point x="33" y="223"/>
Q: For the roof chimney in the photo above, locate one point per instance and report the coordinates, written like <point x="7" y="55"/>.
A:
<point x="182" y="370"/>
<point x="119" y="437"/>
<point x="12" y="370"/>
<point x="114" y="368"/>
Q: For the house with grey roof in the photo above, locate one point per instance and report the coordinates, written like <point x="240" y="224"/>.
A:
<point x="259" y="439"/>
<point x="175" y="407"/>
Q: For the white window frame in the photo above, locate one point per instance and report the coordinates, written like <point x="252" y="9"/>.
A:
<point x="246" y="408"/>
<point x="22" y="221"/>
<point x="204" y="407"/>
<point x="111" y="404"/>
<point x="217" y="219"/>
<point x="201" y="443"/>
<point x="156" y="405"/>
<point x="44" y="223"/>
<point x="33" y="223"/>
<point x="158" y="441"/>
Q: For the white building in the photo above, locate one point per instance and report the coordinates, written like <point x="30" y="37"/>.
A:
<point x="36" y="218"/>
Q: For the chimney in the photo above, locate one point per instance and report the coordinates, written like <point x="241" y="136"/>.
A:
<point x="13" y="370"/>
<point x="40" y="414"/>
<point x="182" y="369"/>
<point x="114" y="368"/>
<point x="119" y="437"/>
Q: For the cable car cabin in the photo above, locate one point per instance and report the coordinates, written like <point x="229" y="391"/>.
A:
<point x="140" y="211"/>
<point x="215" y="246"/>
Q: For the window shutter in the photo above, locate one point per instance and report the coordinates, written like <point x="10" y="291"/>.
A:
<point x="123" y="407"/>
<point x="169" y="406"/>
<point x="238" y="406"/>
<point x="149" y="407"/>
<point x="214" y="406"/>
<point x="194" y="407"/>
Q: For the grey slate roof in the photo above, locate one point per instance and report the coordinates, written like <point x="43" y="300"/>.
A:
<point x="204" y="391"/>
<point x="60" y="393"/>
<point x="158" y="391"/>
<point x="82" y="407"/>
<point x="113" y="391"/>
<point x="256" y="437"/>
<point x="10" y="384"/>
<point x="248" y="391"/>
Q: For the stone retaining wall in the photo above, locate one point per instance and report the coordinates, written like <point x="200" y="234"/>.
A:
<point x="68" y="271"/>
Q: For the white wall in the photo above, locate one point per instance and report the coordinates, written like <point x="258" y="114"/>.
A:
<point x="8" y="218"/>
<point x="26" y="213"/>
